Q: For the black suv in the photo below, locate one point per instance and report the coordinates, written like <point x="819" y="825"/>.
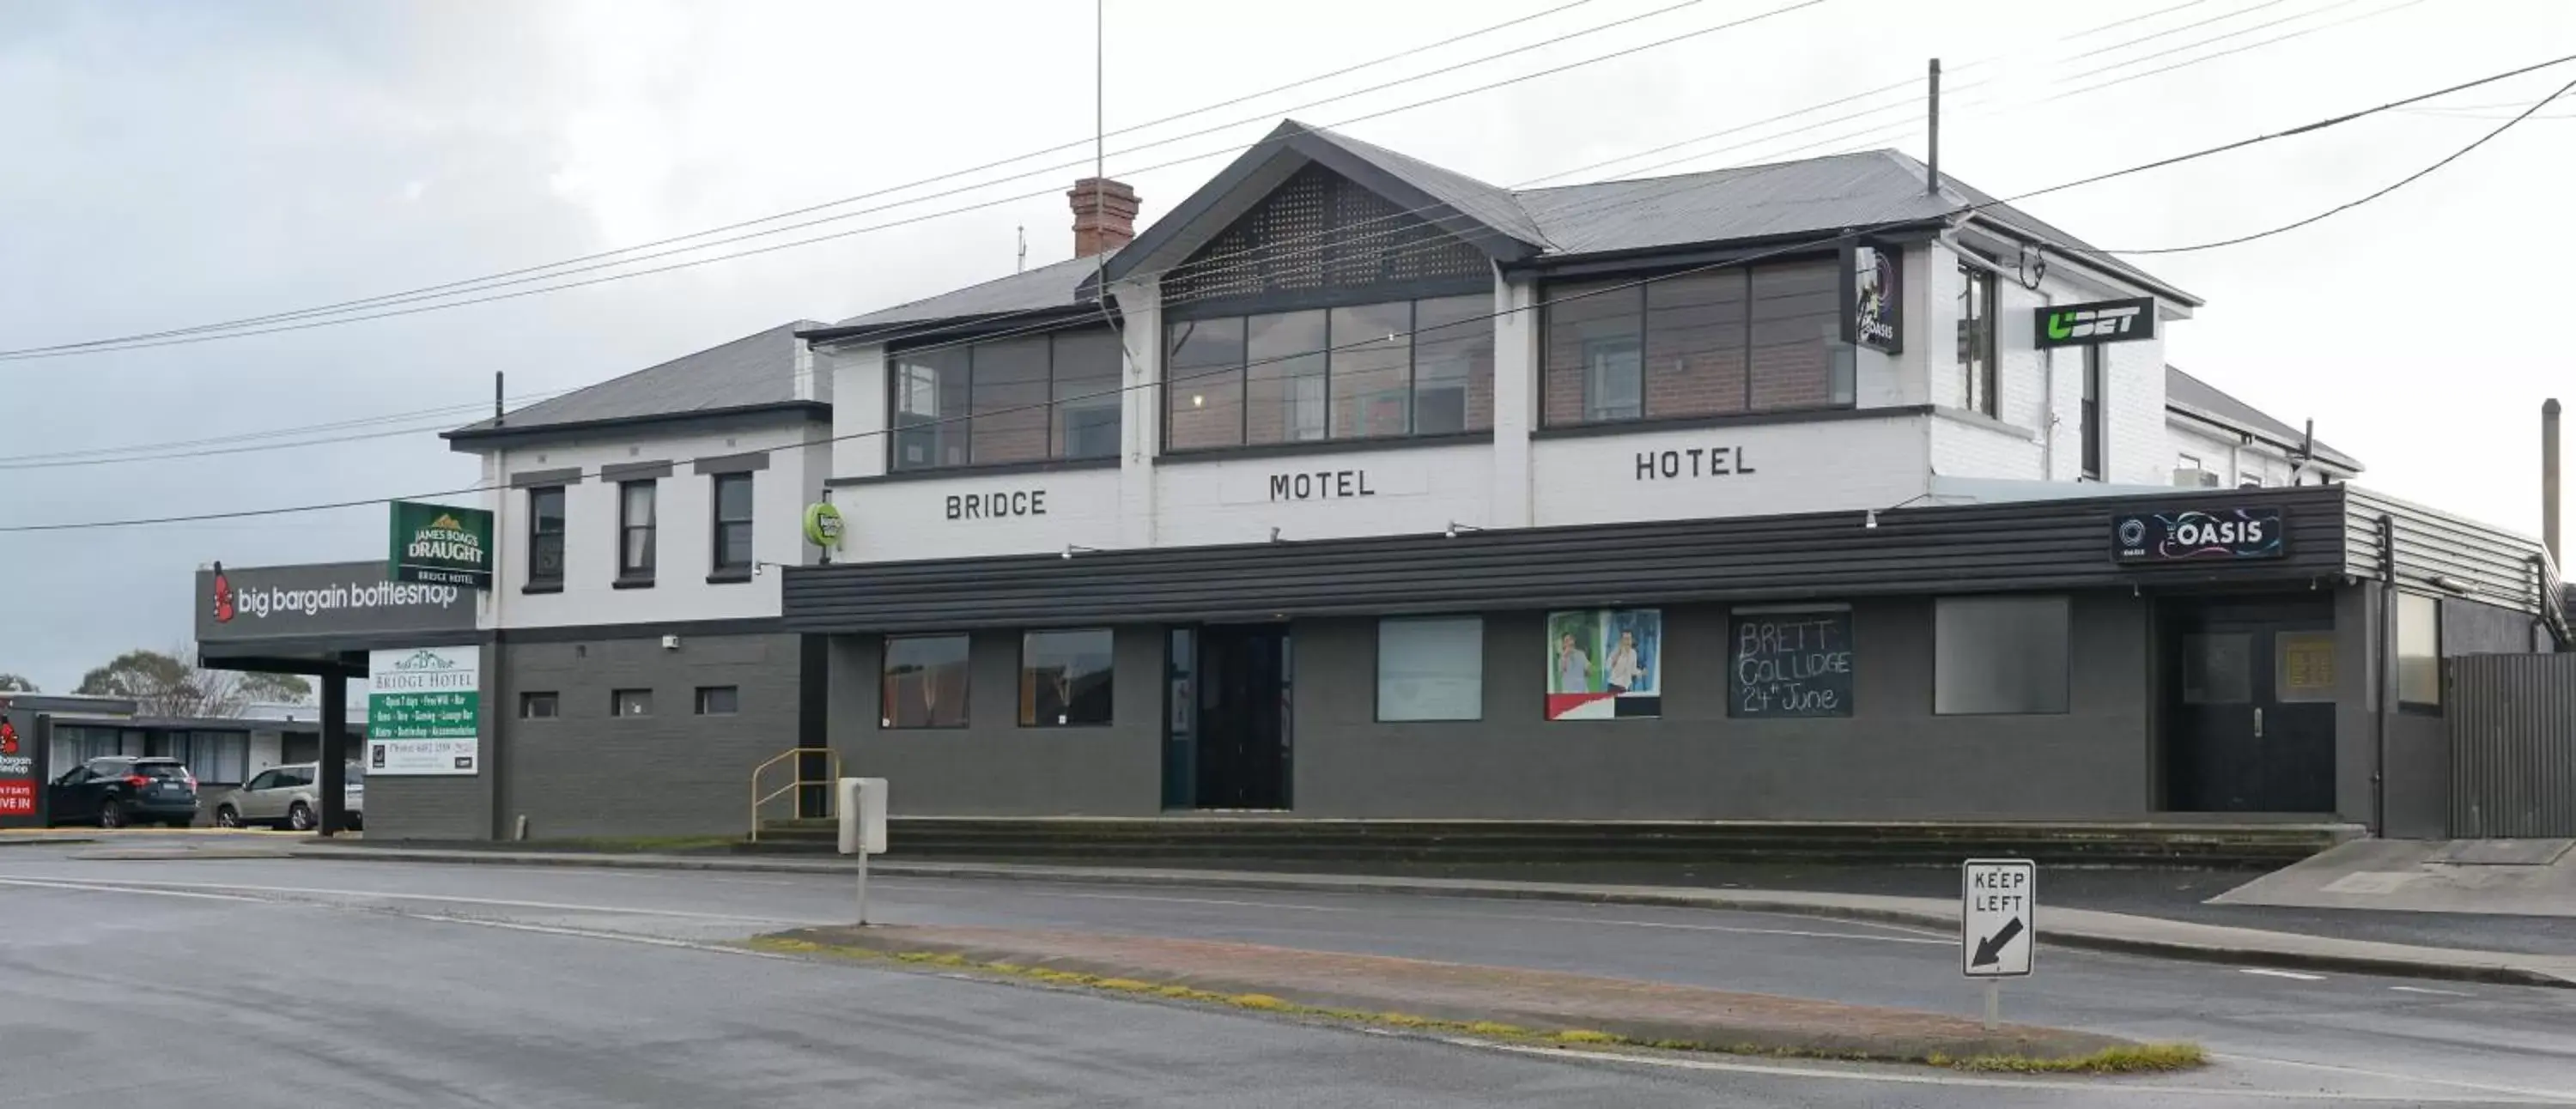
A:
<point x="121" y="790"/>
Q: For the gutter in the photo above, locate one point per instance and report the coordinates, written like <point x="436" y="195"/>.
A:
<point x="814" y="409"/>
<point x="2339" y="460"/>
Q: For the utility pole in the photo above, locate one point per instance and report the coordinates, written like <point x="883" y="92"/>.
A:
<point x="1932" y="180"/>
<point x="496" y="398"/>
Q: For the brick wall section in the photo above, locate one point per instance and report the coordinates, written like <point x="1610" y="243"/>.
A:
<point x="587" y="773"/>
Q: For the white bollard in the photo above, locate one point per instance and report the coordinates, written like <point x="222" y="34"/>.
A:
<point x="863" y="827"/>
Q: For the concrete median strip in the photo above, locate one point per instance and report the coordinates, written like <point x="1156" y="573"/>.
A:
<point x="1495" y="1002"/>
<point x="2071" y="928"/>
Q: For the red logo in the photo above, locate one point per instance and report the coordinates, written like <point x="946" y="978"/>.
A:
<point x="223" y="599"/>
<point x="8" y="738"/>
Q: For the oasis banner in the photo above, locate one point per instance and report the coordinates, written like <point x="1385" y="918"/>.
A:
<point x="424" y="710"/>
<point x="2191" y="535"/>
<point x="1605" y="664"/>
<point x="436" y="544"/>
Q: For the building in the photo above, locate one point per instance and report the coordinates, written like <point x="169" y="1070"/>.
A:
<point x="1357" y="488"/>
<point x="635" y="672"/>
<point x="221" y="751"/>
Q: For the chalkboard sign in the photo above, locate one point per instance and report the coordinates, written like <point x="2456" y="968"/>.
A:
<point x="1789" y="664"/>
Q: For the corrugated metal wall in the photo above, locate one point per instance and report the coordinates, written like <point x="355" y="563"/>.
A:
<point x="2513" y="745"/>
<point x="2494" y="566"/>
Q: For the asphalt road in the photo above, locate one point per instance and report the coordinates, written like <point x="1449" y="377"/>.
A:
<point x="323" y="981"/>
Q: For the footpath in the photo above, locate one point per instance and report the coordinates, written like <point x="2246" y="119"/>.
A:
<point x="2064" y="927"/>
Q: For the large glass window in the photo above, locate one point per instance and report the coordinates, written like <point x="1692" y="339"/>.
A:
<point x="546" y="536"/>
<point x="1372" y="370"/>
<point x="1977" y="338"/>
<point x="1999" y="655"/>
<point x="1285" y="376"/>
<point x="1711" y="343"/>
<point x="1203" y="384"/>
<point x="635" y="530"/>
<point x="925" y="682"/>
<point x="2419" y="651"/>
<point x="1431" y="669"/>
<point x="1011" y="400"/>
<point x="1065" y="678"/>
<point x="1367" y="371"/>
<point x="733" y="523"/>
<point x="213" y="756"/>
<point x="1453" y="365"/>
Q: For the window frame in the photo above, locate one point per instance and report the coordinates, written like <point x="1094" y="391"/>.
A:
<point x="538" y="536"/>
<point x="2398" y="655"/>
<point x="643" y="574"/>
<point x="699" y="703"/>
<point x="2095" y="459"/>
<point x="965" y="694"/>
<point x="962" y="424"/>
<point x="617" y="702"/>
<point x="1026" y="716"/>
<point x="1980" y="381"/>
<point x="1377" y="670"/>
<point x="1839" y="364"/>
<point x="529" y="699"/>
<point x="1240" y="375"/>
<point x="717" y="525"/>
<point x="2066" y="652"/>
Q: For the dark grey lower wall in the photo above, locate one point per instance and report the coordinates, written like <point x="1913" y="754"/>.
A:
<point x="1891" y="759"/>
<point x="587" y="773"/>
<point x="993" y="766"/>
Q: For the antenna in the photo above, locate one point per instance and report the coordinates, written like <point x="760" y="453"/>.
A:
<point x="496" y="398"/>
<point x="1023" y="265"/>
<point x="1932" y="180"/>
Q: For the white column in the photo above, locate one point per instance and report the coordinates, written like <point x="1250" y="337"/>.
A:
<point x="859" y="418"/>
<point x="1140" y="423"/>
<point x="1516" y="391"/>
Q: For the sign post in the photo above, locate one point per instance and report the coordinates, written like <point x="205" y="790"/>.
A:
<point x="1998" y="924"/>
<point x="863" y="827"/>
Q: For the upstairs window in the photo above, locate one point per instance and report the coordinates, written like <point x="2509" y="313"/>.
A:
<point x="732" y="524"/>
<point x="1713" y="343"/>
<point x="1977" y="338"/>
<point x="635" y="531"/>
<point x="1026" y="399"/>
<point x="1418" y="367"/>
<point x="546" y="536"/>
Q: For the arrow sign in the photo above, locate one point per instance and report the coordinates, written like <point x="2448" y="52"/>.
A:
<point x="1998" y="917"/>
<point x="1992" y="946"/>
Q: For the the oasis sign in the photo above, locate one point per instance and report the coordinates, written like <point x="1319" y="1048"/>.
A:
<point x="438" y="544"/>
<point x="2192" y="535"/>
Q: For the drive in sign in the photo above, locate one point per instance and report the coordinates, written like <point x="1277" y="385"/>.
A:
<point x="1997" y="930"/>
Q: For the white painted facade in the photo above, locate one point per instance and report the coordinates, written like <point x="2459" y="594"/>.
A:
<point x="1886" y="451"/>
<point x="684" y="522"/>
<point x="2233" y="460"/>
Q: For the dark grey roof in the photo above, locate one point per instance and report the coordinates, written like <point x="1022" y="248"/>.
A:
<point x="753" y="372"/>
<point x="1817" y="196"/>
<point x="1051" y="286"/>
<point x="2192" y="396"/>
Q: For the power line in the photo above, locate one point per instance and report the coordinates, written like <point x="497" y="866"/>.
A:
<point x="811" y="208"/>
<point x="2349" y="205"/>
<point x="455" y="289"/>
<point x="1809" y="245"/>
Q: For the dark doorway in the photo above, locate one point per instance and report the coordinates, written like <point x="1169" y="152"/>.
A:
<point x="1243" y="724"/>
<point x="2249" y="705"/>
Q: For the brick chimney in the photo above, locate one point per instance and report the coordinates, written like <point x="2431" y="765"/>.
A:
<point x="1104" y="215"/>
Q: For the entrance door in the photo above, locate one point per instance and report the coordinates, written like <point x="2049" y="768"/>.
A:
<point x="2249" y="706"/>
<point x="1243" y="720"/>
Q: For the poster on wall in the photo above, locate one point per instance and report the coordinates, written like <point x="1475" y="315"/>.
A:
<point x="424" y="708"/>
<point x="23" y="743"/>
<point x="1605" y="664"/>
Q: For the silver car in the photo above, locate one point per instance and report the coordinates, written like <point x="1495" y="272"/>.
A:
<point x="290" y="797"/>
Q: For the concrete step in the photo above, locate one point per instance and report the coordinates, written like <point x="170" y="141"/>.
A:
<point x="2061" y="843"/>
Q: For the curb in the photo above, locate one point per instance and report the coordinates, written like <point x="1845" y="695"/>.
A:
<point x="2491" y="967"/>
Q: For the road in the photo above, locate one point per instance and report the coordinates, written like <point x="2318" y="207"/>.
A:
<point x="407" y="984"/>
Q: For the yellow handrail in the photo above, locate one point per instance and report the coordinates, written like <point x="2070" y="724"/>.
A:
<point x="832" y="762"/>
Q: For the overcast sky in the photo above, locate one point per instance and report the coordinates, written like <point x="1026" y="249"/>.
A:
<point x="182" y="162"/>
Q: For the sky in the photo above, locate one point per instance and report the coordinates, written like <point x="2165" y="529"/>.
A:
<point x="175" y="163"/>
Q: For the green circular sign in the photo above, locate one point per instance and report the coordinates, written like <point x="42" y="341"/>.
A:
<point x="823" y="525"/>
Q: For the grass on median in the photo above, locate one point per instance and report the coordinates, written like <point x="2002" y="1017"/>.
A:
<point x="2132" y="1059"/>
